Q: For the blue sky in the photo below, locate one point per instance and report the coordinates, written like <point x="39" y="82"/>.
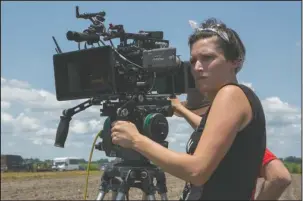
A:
<point x="271" y="32"/>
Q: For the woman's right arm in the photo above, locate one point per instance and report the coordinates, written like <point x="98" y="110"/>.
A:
<point x="193" y="119"/>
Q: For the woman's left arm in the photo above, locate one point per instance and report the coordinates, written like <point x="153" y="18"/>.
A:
<point x="230" y="112"/>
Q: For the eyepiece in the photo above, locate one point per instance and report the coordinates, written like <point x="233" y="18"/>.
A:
<point x="81" y="37"/>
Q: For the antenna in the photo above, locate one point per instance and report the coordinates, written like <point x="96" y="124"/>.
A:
<point x="77" y="12"/>
<point x="58" y="49"/>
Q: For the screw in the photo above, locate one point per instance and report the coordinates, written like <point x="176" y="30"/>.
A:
<point x="143" y="175"/>
<point x="124" y="112"/>
<point x="132" y="175"/>
<point x="141" y="98"/>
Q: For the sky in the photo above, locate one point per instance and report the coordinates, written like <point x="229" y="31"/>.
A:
<point x="30" y="112"/>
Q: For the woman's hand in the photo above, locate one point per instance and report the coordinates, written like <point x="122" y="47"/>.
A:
<point x="176" y="105"/>
<point x="124" y="133"/>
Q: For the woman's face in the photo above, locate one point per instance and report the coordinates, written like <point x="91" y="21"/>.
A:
<point x="210" y="69"/>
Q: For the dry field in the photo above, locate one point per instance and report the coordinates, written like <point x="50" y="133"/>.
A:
<point x="70" y="186"/>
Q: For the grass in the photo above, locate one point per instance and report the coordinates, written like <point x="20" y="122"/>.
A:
<point x="294" y="168"/>
<point x="44" y="175"/>
<point x="93" y="166"/>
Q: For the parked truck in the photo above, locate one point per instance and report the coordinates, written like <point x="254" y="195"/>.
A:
<point x="12" y="163"/>
<point x="66" y="163"/>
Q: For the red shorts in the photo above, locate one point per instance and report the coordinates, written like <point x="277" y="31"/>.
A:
<point x="268" y="156"/>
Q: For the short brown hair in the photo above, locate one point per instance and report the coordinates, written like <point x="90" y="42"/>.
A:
<point x="233" y="49"/>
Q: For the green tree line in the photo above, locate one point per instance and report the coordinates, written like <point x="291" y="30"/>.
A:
<point x="94" y="165"/>
<point x="292" y="163"/>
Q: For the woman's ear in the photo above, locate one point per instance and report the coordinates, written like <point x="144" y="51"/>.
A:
<point x="237" y="63"/>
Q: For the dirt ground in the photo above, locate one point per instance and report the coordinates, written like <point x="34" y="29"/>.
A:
<point x="72" y="188"/>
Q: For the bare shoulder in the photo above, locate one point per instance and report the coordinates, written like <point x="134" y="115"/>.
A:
<point x="232" y="92"/>
<point x="232" y="99"/>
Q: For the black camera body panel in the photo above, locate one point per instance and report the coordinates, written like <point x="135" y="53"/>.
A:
<point x="92" y="72"/>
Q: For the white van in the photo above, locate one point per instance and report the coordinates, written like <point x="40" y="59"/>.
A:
<point x="66" y="163"/>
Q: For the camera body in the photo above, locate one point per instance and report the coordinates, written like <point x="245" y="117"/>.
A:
<point x="91" y="72"/>
<point x="131" y="81"/>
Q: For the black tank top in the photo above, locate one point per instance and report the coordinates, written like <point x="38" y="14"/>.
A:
<point x="235" y="177"/>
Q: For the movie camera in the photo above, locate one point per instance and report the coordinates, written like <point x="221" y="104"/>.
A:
<point x="132" y="82"/>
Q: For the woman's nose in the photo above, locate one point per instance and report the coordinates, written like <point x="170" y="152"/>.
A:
<point x="198" y="66"/>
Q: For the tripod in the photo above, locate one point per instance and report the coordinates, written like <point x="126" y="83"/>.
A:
<point x="120" y="177"/>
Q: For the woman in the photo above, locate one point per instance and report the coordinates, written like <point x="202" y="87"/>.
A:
<point x="233" y="127"/>
<point x="276" y="176"/>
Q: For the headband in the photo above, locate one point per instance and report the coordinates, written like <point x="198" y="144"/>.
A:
<point x="222" y="34"/>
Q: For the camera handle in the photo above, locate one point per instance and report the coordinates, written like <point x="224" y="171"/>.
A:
<point x="63" y="127"/>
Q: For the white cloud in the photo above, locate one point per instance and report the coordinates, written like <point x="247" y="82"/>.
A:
<point x="78" y="126"/>
<point x="3" y="80"/>
<point x="39" y="141"/>
<point x="27" y="123"/>
<point x="171" y="139"/>
<point x="274" y="104"/>
<point x="31" y="125"/>
<point x="39" y="99"/>
<point x="248" y="84"/>
<point x="10" y="144"/>
<point x="6" y="118"/>
<point x="5" y="104"/>
<point x="182" y="144"/>
<point x="18" y="83"/>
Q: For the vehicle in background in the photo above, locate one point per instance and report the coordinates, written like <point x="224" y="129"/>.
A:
<point x="66" y="164"/>
<point x="12" y="163"/>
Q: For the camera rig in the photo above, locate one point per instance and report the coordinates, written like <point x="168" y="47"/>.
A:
<point x="131" y="82"/>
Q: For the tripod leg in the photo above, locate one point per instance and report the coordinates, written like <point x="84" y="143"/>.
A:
<point x="148" y="197"/>
<point x="147" y="186"/>
<point x="114" y="195"/>
<point x="144" y="196"/>
<point x="114" y="187"/>
<point x="163" y="196"/>
<point x="120" y="196"/>
<point x="105" y="184"/>
<point x="151" y="197"/>
<point x="101" y="195"/>
<point x="161" y="185"/>
<point x="121" y="191"/>
<point x="124" y="186"/>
